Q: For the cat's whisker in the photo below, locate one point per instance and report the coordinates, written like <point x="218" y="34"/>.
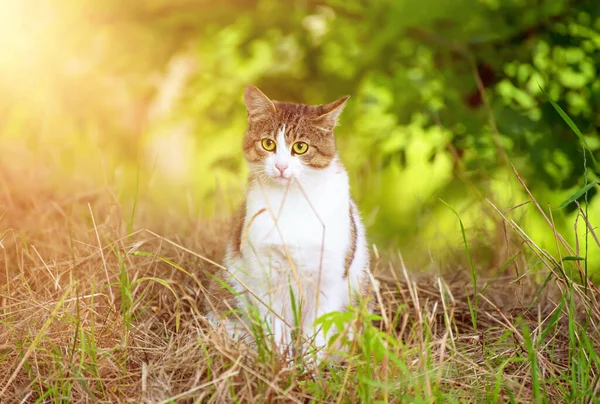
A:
<point x="301" y="181"/>
<point x="264" y="177"/>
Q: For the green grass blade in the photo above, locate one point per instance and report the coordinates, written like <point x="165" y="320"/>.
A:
<point x="165" y="260"/>
<point x="578" y="194"/>
<point x="135" y="199"/>
<point x="532" y="353"/>
<point x="166" y="285"/>
<point x="572" y="125"/>
<point x="471" y="267"/>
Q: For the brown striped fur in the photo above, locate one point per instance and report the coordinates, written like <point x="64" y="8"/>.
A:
<point x="219" y="300"/>
<point x="304" y="123"/>
<point x="352" y="247"/>
<point x="237" y="229"/>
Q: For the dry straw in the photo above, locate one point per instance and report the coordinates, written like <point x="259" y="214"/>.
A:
<point x="90" y="313"/>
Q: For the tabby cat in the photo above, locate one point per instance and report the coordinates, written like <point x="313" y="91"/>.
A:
<point x="299" y="233"/>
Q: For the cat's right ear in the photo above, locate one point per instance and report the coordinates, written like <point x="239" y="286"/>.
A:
<point x="257" y="104"/>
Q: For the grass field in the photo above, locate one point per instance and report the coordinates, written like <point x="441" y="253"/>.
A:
<point x="96" y="310"/>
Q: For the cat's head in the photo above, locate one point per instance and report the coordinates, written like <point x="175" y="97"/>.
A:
<point x="288" y="141"/>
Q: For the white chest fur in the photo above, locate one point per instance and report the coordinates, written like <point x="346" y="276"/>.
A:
<point x="308" y="225"/>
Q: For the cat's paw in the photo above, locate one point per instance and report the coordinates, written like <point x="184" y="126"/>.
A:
<point x="231" y="326"/>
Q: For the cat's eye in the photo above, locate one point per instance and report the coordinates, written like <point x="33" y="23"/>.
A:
<point x="268" y="144"/>
<point x="300" y="147"/>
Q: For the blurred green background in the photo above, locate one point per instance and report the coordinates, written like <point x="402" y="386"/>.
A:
<point x="146" y="97"/>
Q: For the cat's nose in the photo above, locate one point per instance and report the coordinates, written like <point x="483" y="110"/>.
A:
<point x="281" y="167"/>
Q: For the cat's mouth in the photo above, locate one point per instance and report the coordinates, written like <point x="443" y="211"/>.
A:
<point x="281" y="180"/>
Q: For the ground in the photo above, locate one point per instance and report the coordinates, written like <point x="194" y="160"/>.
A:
<point x="96" y="311"/>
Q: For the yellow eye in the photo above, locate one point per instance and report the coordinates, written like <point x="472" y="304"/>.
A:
<point x="300" y="148"/>
<point x="268" y="144"/>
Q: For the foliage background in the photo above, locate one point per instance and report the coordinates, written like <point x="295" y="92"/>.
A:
<point x="145" y="98"/>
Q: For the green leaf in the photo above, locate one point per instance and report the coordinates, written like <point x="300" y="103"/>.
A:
<point x="578" y="194"/>
<point x="551" y="323"/>
<point x="573" y="258"/>
<point x="572" y="125"/>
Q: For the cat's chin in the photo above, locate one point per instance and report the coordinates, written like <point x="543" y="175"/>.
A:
<point x="281" y="181"/>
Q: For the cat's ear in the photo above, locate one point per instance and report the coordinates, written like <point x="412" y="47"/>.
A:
<point x="257" y="104"/>
<point x="329" y="114"/>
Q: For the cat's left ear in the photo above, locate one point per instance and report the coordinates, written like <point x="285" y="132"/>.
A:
<point x="329" y="114"/>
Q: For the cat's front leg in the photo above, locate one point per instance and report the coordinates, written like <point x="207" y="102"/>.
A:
<point x="234" y="328"/>
<point x="333" y="301"/>
<point x="280" y="333"/>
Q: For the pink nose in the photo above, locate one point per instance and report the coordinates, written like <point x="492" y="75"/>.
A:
<point x="281" y="167"/>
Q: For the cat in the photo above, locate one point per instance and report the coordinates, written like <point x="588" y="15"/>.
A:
<point x="298" y="232"/>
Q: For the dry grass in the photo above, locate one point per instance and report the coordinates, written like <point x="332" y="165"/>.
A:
<point x="93" y="314"/>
